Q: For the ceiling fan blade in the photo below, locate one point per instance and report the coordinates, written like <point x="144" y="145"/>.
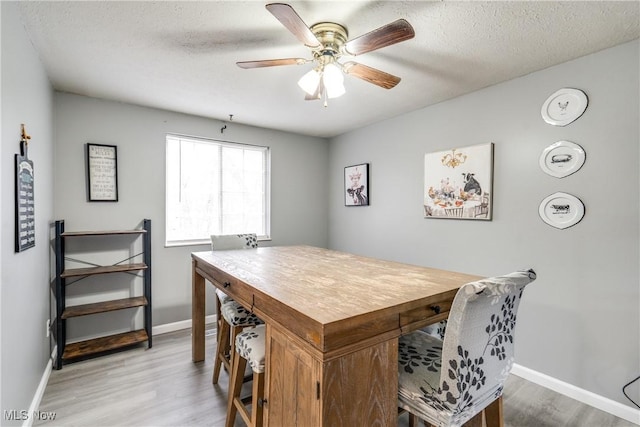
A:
<point x="292" y="21"/>
<point x="395" y="32"/>
<point x="371" y="75"/>
<point x="271" y="62"/>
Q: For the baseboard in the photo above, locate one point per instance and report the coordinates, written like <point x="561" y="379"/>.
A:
<point x="177" y="326"/>
<point x="607" y="405"/>
<point x="37" y="397"/>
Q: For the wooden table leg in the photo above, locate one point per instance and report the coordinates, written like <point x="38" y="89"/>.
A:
<point x="197" y="314"/>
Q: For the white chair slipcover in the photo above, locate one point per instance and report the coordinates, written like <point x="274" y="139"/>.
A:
<point x="446" y="383"/>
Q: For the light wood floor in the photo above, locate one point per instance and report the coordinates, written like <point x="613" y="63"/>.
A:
<point x="162" y="387"/>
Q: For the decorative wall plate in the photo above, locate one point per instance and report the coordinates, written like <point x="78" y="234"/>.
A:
<point x="564" y="106"/>
<point x="561" y="210"/>
<point x="562" y="158"/>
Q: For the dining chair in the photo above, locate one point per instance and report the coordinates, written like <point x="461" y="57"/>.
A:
<point x="231" y="317"/>
<point x="455" y="381"/>
<point x="483" y="208"/>
<point x="250" y="348"/>
<point x="454" y="212"/>
<point x="436" y="329"/>
<point x="235" y="318"/>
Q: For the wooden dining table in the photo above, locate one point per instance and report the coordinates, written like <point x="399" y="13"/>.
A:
<point x="332" y="319"/>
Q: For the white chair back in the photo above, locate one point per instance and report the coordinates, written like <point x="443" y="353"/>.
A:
<point x="223" y="242"/>
<point x="448" y="382"/>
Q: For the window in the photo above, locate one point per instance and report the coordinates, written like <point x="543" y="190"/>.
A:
<point x="215" y="187"/>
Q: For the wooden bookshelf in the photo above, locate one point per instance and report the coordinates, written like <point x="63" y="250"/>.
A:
<point x="69" y="351"/>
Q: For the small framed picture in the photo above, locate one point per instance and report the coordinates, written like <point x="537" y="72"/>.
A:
<point x="356" y="185"/>
<point x="102" y="173"/>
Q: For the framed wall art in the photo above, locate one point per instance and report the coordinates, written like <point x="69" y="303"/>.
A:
<point x="25" y="201"/>
<point x="458" y="183"/>
<point x="356" y="185"/>
<point x="102" y="173"/>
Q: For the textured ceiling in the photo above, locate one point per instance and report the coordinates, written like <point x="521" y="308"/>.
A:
<point x="181" y="56"/>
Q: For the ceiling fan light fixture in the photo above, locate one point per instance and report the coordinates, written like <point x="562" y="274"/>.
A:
<point x="309" y="82"/>
<point x="333" y="80"/>
<point x="328" y="42"/>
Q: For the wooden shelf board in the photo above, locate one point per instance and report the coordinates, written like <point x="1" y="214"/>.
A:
<point x="90" y="271"/>
<point x="101" y="233"/>
<point x="103" y="307"/>
<point x="102" y="344"/>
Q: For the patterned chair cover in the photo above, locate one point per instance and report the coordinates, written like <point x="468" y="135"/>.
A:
<point x="436" y="330"/>
<point x="448" y="382"/>
<point x="236" y="315"/>
<point x="223" y="242"/>
<point x="250" y="345"/>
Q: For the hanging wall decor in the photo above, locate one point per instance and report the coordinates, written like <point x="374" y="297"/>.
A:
<point x="356" y="185"/>
<point x="562" y="158"/>
<point x="102" y="173"/>
<point x="564" y="106"/>
<point x="561" y="210"/>
<point x="458" y="183"/>
<point x="25" y="202"/>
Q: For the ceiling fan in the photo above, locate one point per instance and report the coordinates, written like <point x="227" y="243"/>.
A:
<point x="328" y="42"/>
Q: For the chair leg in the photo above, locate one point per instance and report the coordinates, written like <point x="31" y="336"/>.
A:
<point x="256" y="400"/>
<point x="414" y="421"/>
<point x="218" y="315"/>
<point x="234" y="331"/>
<point x="235" y="386"/>
<point x="493" y="414"/>
<point x="221" y="350"/>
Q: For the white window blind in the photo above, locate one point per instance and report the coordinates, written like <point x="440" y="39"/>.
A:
<point x="215" y="187"/>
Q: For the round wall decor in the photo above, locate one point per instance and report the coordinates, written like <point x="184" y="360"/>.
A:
<point x="561" y="210"/>
<point x="562" y="158"/>
<point x="564" y="106"/>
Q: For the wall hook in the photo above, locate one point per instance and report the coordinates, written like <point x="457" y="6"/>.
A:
<point x="225" y="125"/>
<point x="25" y="137"/>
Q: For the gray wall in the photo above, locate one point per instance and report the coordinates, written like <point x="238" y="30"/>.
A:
<point x="299" y="182"/>
<point x="579" y="322"/>
<point x="24" y="298"/>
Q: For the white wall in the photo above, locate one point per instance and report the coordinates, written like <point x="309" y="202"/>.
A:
<point x="579" y="322"/>
<point x="299" y="182"/>
<point x="24" y="292"/>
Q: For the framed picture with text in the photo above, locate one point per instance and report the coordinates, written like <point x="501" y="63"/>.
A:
<point x="102" y="173"/>
<point x="25" y="202"/>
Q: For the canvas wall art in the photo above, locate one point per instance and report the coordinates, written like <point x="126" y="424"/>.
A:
<point x="458" y="183"/>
